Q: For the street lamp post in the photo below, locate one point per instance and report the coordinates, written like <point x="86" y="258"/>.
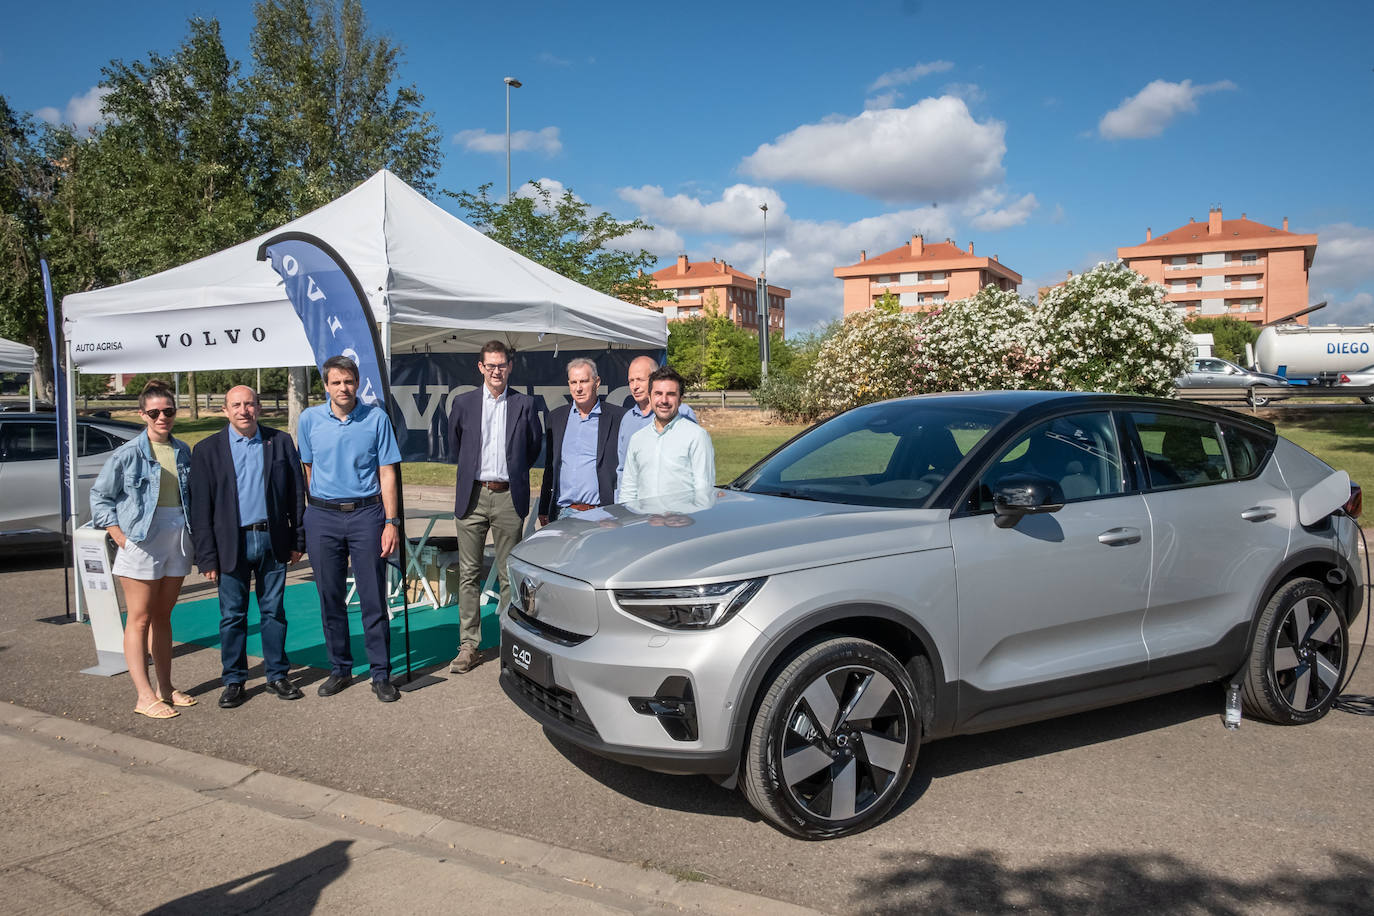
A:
<point x="762" y="296"/>
<point x="511" y="83"/>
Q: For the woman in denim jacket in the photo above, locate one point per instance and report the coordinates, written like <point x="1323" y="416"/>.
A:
<point x="141" y="499"/>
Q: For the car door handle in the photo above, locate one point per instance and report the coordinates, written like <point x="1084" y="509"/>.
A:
<point x="1259" y="513"/>
<point x="1119" y="537"/>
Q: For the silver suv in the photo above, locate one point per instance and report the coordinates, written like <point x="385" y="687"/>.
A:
<point x="936" y="566"/>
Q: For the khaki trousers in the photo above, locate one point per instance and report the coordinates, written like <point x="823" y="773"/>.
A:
<point x="496" y="513"/>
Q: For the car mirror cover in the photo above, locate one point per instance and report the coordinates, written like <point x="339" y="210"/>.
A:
<point x="1018" y="494"/>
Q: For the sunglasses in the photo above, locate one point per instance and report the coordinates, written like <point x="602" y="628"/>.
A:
<point x="157" y="412"/>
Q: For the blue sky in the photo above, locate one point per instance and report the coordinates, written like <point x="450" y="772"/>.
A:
<point x="1048" y="134"/>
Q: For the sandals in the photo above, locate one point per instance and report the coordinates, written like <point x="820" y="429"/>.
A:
<point x="157" y="709"/>
<point x="180" y="699"/>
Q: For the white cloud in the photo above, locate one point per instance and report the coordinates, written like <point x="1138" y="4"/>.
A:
<point x="971" y="93"/>
<point x="933" y="150"/>
<point x="663" y="242"/>
<point x="736" y="213"/>
<point x="545" y="141"/>
<point x="882" y="100"/>
<point x="909" y="74"/>
<point x="1343" y="274"/>
<point x="991" y="219"/>
<point x="1150" y="110"/>
<point x="802" y="254"/>
<point x="82" y="111"/>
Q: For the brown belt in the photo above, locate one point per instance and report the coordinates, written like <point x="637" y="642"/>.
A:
<point x="582" y="507"/>
<point x="495" y="486"/>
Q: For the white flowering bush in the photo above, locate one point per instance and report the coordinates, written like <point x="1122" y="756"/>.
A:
<point x="1109" y="329"/>
<point x="987" y="341"/>
<point x="872" y="355"/>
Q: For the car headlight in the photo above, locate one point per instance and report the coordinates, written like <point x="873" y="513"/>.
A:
<point x="688" y="607"/>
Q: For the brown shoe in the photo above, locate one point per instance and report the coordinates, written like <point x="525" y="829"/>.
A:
<point x="467" y="660"/>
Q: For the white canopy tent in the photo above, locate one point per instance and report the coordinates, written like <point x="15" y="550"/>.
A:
<point x="431" y="280"/>
<point x="17" y="357"/>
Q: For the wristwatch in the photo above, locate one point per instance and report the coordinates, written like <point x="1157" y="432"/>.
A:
<point x="394" y="521"/>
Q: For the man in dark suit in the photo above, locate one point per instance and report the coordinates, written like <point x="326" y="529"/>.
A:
<point x="247" y="504"/>
<point x="582" y="455"/>
<point x="494" y="437"/>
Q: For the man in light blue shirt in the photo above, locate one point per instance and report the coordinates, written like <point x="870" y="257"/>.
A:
<point x="580" y="473"/>
<point x="640" y="414"/>
<point x="671" y="456"/>
<point x="351" y="459"/>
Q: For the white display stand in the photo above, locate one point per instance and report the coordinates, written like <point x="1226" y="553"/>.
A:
<point x="91" y="556"/>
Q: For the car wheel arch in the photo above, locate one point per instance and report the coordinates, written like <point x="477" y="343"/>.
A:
<point x="886" y="626"/>
<point x="1311" y="563"/>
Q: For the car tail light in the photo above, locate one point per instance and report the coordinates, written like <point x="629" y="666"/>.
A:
<point x="1355" y="505"/>
<point x="1345" y="379"/>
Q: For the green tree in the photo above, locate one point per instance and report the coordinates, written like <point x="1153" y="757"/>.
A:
<point x="1229" y="335"/>
<point x="559" y="234"/>
<point x="327" y="110"/>
<point x="92" y="386"/>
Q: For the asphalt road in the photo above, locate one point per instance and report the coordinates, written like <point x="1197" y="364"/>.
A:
<point x="1151" y="806"/>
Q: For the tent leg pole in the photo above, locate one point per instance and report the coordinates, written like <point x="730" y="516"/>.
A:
<point x="70" y="407"/>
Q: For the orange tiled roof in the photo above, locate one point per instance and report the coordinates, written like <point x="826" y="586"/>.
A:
<point x="1230" y="229"/>
<point x="930" y="251"/>
<point x="700" y="271"/>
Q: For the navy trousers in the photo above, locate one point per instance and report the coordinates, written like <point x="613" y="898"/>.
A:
<point x="256" y="560"/>
<point x="332" y="540"/>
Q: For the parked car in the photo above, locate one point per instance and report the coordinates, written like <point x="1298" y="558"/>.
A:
<point x="935" y="566"/>
<point x="30" y="495"/>
<point x="1360" y="377"/>
<point x="1211" y="372"/>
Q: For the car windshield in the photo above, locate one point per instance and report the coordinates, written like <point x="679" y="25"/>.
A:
<point x="893" y="454"/>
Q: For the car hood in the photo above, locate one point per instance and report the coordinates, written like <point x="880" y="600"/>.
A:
<point x="734" y="535"/>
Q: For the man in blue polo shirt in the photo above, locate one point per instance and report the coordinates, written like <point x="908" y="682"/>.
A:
<point x="641" y="413"/>
<point x="350" y="456"/>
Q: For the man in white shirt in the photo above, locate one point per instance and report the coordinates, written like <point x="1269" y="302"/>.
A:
<point x="672" y="456"/>
<point x="640" y="414"/>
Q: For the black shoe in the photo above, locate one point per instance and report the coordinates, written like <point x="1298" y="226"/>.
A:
<point x="333" y="684"/>
<point x="284" y="689"/>
<point x="386" y="691"/>
<point x="232" y="696"/>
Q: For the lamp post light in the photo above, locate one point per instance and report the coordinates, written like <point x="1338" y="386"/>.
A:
<point x="762" y="296"/>
<point x="511" y="83"/>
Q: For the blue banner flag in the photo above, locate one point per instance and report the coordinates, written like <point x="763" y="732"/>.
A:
<point x="59" y="387"/>
<point x="332" y="307"/>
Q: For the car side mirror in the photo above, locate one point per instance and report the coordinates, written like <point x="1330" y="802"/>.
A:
<point x="1024" y="494"/>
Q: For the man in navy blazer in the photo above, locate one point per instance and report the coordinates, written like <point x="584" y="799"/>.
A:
<point x="247" y="505"/>
<point x="494" y="437"/>
<point x="582" y="454"/>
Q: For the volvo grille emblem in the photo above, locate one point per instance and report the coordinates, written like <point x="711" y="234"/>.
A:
<point x="528" y="587"/>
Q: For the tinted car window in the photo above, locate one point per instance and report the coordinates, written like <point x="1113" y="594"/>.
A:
<point x="1248" y="449"/>
<point x="28" y="441"/>
<point x="891" y="454"/>
<point x="1180" y="451"/>
<point x="96" y="442"/>
<point x="1079" y="452"/>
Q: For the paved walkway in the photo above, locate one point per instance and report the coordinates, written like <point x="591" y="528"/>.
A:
<point x="101" y="822"/>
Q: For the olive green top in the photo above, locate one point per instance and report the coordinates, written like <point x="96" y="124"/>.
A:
<point x="168" y="488"/>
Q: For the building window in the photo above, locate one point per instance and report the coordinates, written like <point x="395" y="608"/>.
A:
<point x="1249" y="257"/>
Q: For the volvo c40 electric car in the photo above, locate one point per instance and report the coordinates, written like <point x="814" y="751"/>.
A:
<point x="935" y="566"/>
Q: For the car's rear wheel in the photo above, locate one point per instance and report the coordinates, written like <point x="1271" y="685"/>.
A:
<point x="1367" y="398"/>
<point x="834" y="740"/>
<point x="1299" y="655"/>
<point x="1257" y="395"/>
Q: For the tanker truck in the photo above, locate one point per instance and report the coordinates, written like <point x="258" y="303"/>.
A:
<point x="1315" y="355"/>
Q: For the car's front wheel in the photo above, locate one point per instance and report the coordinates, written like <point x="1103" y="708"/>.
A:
<point x="1258" y="396"/>
<point x="1299" y="655"/>
<point x="834" y="741"/>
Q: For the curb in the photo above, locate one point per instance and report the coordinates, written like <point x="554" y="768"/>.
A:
<point x="408" y="824"/>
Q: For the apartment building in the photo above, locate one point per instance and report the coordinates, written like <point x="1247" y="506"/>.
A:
<point x="1234" y="267"/>
<point x="701" y="287"/>
<point x="922" y="275"/>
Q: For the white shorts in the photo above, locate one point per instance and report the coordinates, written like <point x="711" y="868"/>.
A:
<point x="165" y="551"/>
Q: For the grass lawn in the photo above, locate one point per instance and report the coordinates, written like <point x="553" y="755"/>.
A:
<point x="1344" y="441"/>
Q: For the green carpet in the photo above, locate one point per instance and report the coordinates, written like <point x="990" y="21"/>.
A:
<point x="433" y="632"/>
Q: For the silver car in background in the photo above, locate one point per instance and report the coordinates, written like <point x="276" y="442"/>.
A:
<point x="1212" y="372"/>
<point x="935" y="566"/>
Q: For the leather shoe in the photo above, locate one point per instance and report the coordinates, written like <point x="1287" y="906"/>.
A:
<point x="385" y="690"/>
<point x="232" y="696"/>
<point x="284" y="689"/>
<point x="333" y="684"/>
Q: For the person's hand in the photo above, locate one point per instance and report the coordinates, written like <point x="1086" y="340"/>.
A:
<point x="212" y="575"/>
<point x="117" y="536"/>
<point x="389" y="540"/>
<point x="296" y="556"/>
<point x="543" y="520"/>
